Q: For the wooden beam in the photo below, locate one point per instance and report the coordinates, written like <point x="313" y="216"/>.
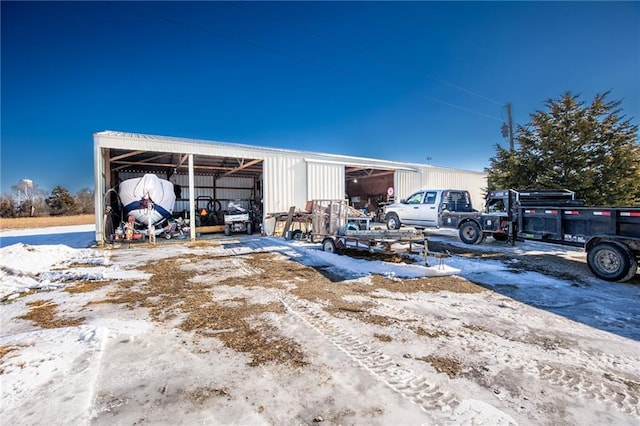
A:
<point x="142" y="163"/>
<point x="129" y="154"/>
<point x="241" y="167"/>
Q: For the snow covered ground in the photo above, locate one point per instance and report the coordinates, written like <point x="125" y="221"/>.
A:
<point x="260" y="330"/>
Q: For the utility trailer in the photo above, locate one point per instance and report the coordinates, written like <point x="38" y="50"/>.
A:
<point x="382" y="240"/>
<point x="609" y="235"/>
<point x="332" y="225"/>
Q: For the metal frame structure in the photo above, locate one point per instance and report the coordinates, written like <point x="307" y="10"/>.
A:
<point x="283" y="178"/>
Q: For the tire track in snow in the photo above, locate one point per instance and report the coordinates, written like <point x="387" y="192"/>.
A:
<point x="431" y="398"/>
<point x="609" y="388"/>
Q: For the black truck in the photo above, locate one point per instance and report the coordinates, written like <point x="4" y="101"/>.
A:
<point x="610" y="235"/>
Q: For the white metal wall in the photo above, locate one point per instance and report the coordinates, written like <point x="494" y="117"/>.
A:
<point x="285" y="183"/>
<point x="406" y="182"/>
<point x="325" y="181"/>
<point x="473" y="182"/>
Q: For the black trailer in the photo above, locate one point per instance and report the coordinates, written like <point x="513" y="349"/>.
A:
<point x="610" y="235"/>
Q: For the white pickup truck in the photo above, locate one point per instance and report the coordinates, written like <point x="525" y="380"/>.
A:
<point x="429" y="208"/>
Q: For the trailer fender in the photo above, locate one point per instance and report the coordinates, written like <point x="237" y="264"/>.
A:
<point x="631" y="243"/>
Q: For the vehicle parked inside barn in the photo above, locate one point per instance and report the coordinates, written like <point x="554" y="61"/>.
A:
<point x="238" y="217"/>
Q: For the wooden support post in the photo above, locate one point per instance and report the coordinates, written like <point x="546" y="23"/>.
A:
<point x="287" y="224"/>
<point x="426" y="252"/>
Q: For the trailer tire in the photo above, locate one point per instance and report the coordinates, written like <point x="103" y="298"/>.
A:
<point x="249" y="228"/>
<point x="393" y="221"/>
<point x="470" y="233"/>
<point x="227" y="230"/>
<point x="296" y="235"/>
<point x="329" y="245"/>
<point x="611" y="261"/>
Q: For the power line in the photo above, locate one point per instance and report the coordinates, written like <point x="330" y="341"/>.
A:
<point x="368" y="53"/>
<point x="296" y="57"/>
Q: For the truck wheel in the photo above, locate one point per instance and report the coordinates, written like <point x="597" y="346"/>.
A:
<point x="470" y="233"/>
<point x="329" y="245"/>
<point x="393" y="222"/>
<point x="296" y="235"/>
<point x="611" y="261"/>
<point x="249" y="228"/>
<point x="227" y="230"/>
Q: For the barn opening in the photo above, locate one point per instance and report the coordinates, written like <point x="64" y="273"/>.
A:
<point x="367" y="189"/>
<point x="219" y="184"/>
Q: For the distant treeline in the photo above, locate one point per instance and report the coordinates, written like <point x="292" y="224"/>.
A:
<point x="28" y="200"/>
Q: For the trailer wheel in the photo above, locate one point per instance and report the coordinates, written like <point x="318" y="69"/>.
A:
<point x="249" y="228"/>
<point x="611" y="261"/>
<point x="227" y="230"/>
<point x="393" y="222"/>
<point x="296" y="235"/>
<point x="329" y="245"/>
<point x="470" y="233"/>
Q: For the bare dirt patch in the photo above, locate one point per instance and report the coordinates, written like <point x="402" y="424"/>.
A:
<point x="201" y="395"/>
<point x="432" y="334"/>
<point x="5" y="350"/>
<point x="431" y="284"/>
<point x="449" y="366"/>
<point x="170" y="292"/>
<point x="85" y="286"/>
<point x="43" y="313"/>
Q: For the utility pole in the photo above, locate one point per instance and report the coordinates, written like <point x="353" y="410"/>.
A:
<point x="510" y="126"/>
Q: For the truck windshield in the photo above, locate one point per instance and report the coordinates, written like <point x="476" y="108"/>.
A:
<point x="415" y="198"/>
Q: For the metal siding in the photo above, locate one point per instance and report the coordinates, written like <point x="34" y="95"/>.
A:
<point x="238" y="188"/>
<point x="285" y="171"/>
<point x="406" y="183"/>
<point x="473" y="182"/>
<point x="325" y="181"/>
<point x="285" y="184"/>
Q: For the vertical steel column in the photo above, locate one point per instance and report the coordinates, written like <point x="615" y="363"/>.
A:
<point x="192" y="201"/>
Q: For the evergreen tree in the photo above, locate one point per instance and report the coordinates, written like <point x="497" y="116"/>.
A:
<point x="60" y="202"/>
<point x="591" y="150"/>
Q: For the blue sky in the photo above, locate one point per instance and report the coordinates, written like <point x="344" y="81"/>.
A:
<point x="408" y="81"/>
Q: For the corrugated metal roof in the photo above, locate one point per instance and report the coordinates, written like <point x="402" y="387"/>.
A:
<point x="231" y="157"/>
<point x="259" y="152"/>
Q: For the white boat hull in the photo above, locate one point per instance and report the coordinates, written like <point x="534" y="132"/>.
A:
<point x="148" y="199"/>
